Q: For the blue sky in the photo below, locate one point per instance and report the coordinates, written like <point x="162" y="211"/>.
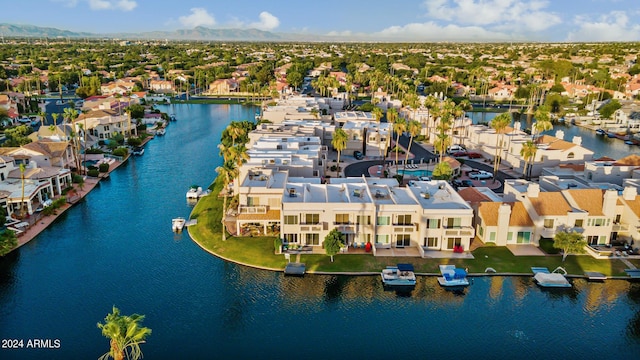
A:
<point x="406" y="20"/>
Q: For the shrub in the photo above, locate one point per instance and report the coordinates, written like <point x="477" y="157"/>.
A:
<point x="93" y="173"/>
<point x="134" y="141"/>
<point x="76" y="179"/>
<point x="94" y="150"/>
<point x="334" y="168"/>
<point x="92" y="167"/>
<point x="277" y="244"/>
<point x="120" y="152"/>
<point x="104" y="167"/>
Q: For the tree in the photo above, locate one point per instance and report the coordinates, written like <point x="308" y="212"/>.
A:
<point x="339" y="143"/>
<point x="499" y="124"/>
<point x="333" y="242"/>
<point x="572" y="242"/>
<point x="543" y="120"/>
<point x="377" y="116"/>
<point x="125" y="335"/>
<point x="8" y="241"/>
<point x="226" y="173"/>
<point x="609" y="109"/>
<point x="22" y="207"/>
<point x="392" y="116"/>
<point x="399" y="127"/>
<point x="442" y="171"/>
<point x="528" y="153"/>
<point x="413" y="127"/>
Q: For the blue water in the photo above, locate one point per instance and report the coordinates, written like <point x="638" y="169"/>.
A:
<point x="117" y="248"/>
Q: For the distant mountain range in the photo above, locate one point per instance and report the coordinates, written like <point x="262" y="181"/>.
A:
<point x="198" y="33"/>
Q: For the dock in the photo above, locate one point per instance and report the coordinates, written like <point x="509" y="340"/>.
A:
<point x="191" y="222"/>
<point x="592" y="275"/>
<point x="633" y="273"/>
<point x="295" y="269"/>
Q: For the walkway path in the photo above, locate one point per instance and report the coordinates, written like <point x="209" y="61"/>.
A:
<point x="628" y="263"/>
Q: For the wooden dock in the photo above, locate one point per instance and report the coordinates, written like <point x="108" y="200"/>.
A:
<point x="592" y="275"/>
<point x="295" y="269"/>
<point x="191" y="222"/>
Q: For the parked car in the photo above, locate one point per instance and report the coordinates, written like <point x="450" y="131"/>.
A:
<point x="462" y="183"/>
<point x="474" y="155"/>
<point x="459" y="154"/>
<point x="480" y="175"/>
<point x="358" y="155"/>
<point x="455" y="148"/>
<point x="424" y="178"/>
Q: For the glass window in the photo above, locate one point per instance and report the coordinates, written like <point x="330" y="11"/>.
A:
<point x="383" y="220"/>
<point x="454" y="222"/>
<point x="312" y="239"/>
<point x="492" y="236"/>
<point x="404" y="220"/>
<point x="364" y="220"/>
<point x="433" y="223"/>
<point x="454" y="241"/>
<point x="579" y="223"/>
<point x="432" y="242"/>
<point x="290" y="219"/>
<point x="290" y="238"/>
<point x="509" y="236"/>
<point x="382" y="239"/>
<point x="403" y="240"/>
<point x="548" y="223"/>
<point x="480" y="231"/>
<point x="342" y="218"/>
<point x="523" y="237"/>
<point x="312" y="218"/>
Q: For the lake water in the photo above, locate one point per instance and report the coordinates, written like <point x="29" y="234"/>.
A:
<point x="600" y="145"/>
<point x="117" y="248"/>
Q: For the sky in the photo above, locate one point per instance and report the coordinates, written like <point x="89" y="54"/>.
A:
<point x="375" y="20"/>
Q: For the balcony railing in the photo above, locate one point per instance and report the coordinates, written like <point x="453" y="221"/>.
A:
<point x="255" y="209"/>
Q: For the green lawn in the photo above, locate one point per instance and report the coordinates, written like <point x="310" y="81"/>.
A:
<point x="259" y="252"/>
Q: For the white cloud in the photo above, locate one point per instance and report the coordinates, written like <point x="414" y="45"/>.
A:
<point x="614" y="26"/>
<point x="67" y="3"/>
<point x="504" y="15"/>
<point x="430" y="31"/>
<point x="267" y="22"/>
<point x="124" y="5"/>
<point x="198" y="17"/>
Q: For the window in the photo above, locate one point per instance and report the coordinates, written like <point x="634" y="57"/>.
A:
<point x="454" y="222"/>
<point x="593" y="239"/>
<point x="403" y="240"/>
<point x="492" y="236"/>
<point x="364" y="220"/>
<point x="480" y="231"/>
<point x="383" y="220"/>
<point x="452" y="242"/>
<point x="431" y="242"/>
<point x="616" y="221"/>
<point x="382" y="239"/>
<point x="433" y="223"/>
<point x="548" y="223"/>
<point x="598" y="222"/>
<point x="570" y="155"/>
<point x="523" y="237"/>
<point x="579" y="223"/>
<point x="509" y="236"/>
<point x="253" y="201"/>
<point x="312" y="239"/>
<point x="290" y="238"/>
<point x="342" y="218"/>
<point x="290" y="219"/>
<point x="312" y="218"/>
<point x="404" y="220"/>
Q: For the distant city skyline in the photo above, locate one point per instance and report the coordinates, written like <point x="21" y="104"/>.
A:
<point x="375" y="20"/>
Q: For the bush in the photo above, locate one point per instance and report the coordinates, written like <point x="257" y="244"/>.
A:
<point x="134" y="141"/>
<point x="334" y="168"/>
<point x="104" y="168"/>
<point x="94" y="151"/>
<point x="76" y="179"/>
<point x="120" y="152"/>
<point x="93" y="173"/>
<point x="277" y="244"/>
<point x="92" y="167"/>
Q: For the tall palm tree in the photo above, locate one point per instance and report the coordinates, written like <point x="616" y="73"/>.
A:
<point x="238" y="155"/>
<point x="430" y="103"/>
<point x="399" y="127"/>
<point x="226" y="173"/>
<point x="54" y="116"/>
<point x="543" y="120"/>
<point x="377" y="115"/>
<point x="528" y="153"/>
<point x="499" y="124"/>
<point x="235" y="131"/>
<point x="43" y="116"/>
<point x="392" y="117"/>
<point x="125" y="334"/>
<point x="22" y="170"/>
<point x="339" y="143"/>
<point x="413" y="127"/>
<point x="443" y="140"/>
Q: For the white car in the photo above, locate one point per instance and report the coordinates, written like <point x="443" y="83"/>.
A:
<point x="480" y="175"/>
<point x="455" y="148"/>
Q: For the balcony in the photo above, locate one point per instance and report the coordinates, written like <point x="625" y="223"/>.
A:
<point x="620" y="227"/>
<point x="461" y="231"/>
<point x="256" y="209"/>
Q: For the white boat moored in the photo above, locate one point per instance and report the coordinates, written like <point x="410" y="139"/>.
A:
<point x="452" y="276"/>
<point x="400" y="275"/>
<point x="177" y="224"/>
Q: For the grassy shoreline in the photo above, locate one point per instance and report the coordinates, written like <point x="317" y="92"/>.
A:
<point x="258" y="252"/>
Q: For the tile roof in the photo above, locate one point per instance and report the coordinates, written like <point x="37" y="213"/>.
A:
<point x="519" y="215"/>
<point x="555" y="143"/>
<point x="550" y="203"/>
<point x="589" y="200"/>
<point x="632" y="160"/>
<point x="472" y="195"/>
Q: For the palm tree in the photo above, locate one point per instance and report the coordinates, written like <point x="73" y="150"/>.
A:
<point x="125" y="334"/>
<point x="377" y="115"/>
<point x="399" y="127"/>
<point x="430" y="103"/>
<point x="543" y="120"/>
<point x="22" y="170"/>
<point x="225" y="172"/>
<point x="238" y="155"/>
<point x="392" y="117"/>
<point x="528" y="153"/>
<point x="315" y="113"/>
<point x="235" y="132"/>
<point x="43" y="116"/>
<point x="413" y="127"/>
<point x="54" y="116"/>
<point x="339" y="143"/>
<point x="499" y="124"/>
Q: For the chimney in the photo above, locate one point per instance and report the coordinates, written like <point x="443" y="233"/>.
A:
<point x="629" y="193"/>
<point x="504" y="214"/>
<point x="577" y="140"/>
<point x="533" y="190"/>
<point x="609" y="202"/>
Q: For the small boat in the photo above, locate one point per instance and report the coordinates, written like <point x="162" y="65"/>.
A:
<point x="172" y="117"/>
<point x="629" y="142"/>
<point x="194" y="192"/>
<point x="160" y="131"/>
<point x="453" y="276"/>
<point x="400" y="275"/>
<point x="177" y="224"/>
<point x="600" y="132"/>
<point x="561" y="120"/>
<point x="138" y="150"/>
<point x="556" y="278"/>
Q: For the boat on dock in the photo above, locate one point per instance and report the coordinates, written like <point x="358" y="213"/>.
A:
<point x="601" y="132"/>
<point x="556" y="278"/>
<point x="160" y="131"/>
<point x="177" y="224"/>
<point x="295" y="269"/>
<point x="195" y="192"/>
<point x="453" y="276"/>
<point x="399" y="275"/>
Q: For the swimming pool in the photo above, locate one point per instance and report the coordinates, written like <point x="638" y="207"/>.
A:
<point x="89" y="163"/>
<point x="414" y="172"/>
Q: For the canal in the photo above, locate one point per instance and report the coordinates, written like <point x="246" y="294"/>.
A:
<point x="116" y="248"/>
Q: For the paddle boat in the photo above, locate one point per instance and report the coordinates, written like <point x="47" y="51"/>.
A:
<point x="452" y="276"/>
<point x="556" y="278"/>
<point x="400" y="275"/>
<point x="177" y="224"/>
